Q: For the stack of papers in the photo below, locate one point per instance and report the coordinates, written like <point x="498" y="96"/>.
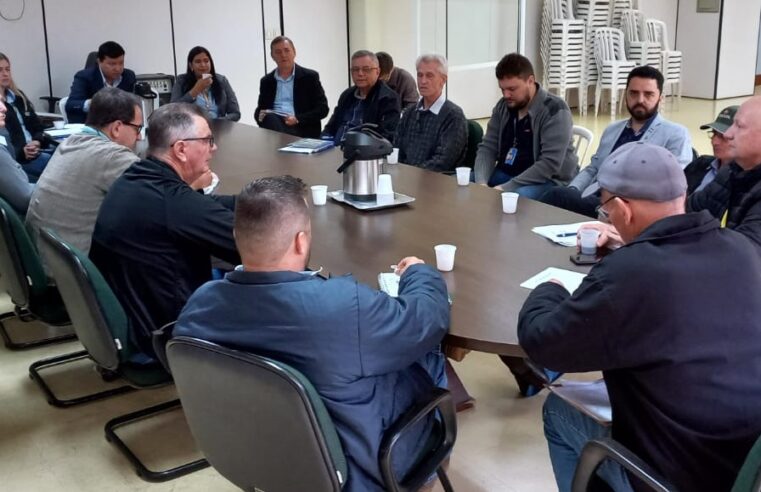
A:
<point x="307" y="146"/>
<point x="564" y="234"/>
<point x="570" y="280"/>
<point x="67" y="130"/>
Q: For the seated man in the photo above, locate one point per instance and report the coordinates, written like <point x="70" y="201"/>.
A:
<point x="369" y="101"/>
<point x="644" y="93"/>
<point x="704" y="169"/>
<point x="15" y="187"/>
<point x="155" y="235"/>
<point x="69" y="193"/>
<point x="528" y="145"/>
<point x="679" y="356"/>
<point x="370" y="356"/>
<point x="398" y="79"/>
<point x="434" y="134"/>
<point x="109" y="72"/>
<point x="293" y="90"/>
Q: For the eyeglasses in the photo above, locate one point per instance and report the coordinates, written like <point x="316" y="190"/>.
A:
<point x="209" y="140"/>
<point x="138" y="128"/>
<point x="364" y="70"/>
<point x="602" y="214"/>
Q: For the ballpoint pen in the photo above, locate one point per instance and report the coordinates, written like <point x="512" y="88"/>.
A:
<point x="566" y="234"/>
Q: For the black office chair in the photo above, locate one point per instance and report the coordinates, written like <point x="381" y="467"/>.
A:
<point x="268" y="428"/>
<point x="103" y="329"/>
<point x="24" y="280"/>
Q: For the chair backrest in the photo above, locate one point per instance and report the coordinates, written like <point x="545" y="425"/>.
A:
<point x="21" y="273"/>
<point x="267" y="428"/>
<point x="582" y="140"/>
<point x="749" y="477"/>
<point x="633" y="25"/>
<point x="92" y="59"/>
<point x="656" y="33"/>
<point x="98" y="319"/>
<point x="475" y="135"/>
<point x="609" y="45"/>
<point x="62" y="107"/>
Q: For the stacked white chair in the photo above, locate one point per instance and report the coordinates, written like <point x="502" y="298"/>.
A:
<point x="563" y="48"/>
<point x="612" y="66"/>
<point x="595" y="14"/>
<point x="671" y="61"/>
<point x="616" y="11"/>
<point x="638" y="49"/>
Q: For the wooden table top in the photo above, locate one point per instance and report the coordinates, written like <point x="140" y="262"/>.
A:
<point x="496" y="252"/>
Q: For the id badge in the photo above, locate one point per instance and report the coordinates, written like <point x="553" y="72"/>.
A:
<point x="511" y="155"/>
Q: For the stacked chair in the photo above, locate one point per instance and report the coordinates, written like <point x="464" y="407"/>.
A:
<point x="617" y="9"/>
<point x="595" y="14"/>
<point x="638" y="48"/>
<point x="612" y="66"/>
<point x="671" y="61"/>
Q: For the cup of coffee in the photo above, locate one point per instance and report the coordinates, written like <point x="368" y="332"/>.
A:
<point x="463" y="176"/>
<point x="59" y="124"/>
<point x="588" y="241"/>
<point x="509" y="202"/>
<point x="393" y="157"/>
<point x="445" y="256"/>
<point x="319" y="194"/>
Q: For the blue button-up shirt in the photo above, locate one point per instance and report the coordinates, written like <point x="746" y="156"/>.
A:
<point x="284" y="95"/>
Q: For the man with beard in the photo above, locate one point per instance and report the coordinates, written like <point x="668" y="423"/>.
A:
<point x="644" y="88"/>
<point x="528" y="143"/>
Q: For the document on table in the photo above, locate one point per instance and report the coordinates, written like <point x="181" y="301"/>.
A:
<point x="563" y="234"/>
<point x="571" y="280"/>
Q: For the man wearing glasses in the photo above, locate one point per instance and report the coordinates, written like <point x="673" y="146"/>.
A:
<point x="704" y="169"/>
<point x="69" y="193"/>
<point x="370" y="100"/>
<point x="155" y="234"/>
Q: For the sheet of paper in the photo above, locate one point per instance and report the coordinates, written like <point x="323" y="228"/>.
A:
<point x="563" y="234"/>
<point x="571" y="280"/>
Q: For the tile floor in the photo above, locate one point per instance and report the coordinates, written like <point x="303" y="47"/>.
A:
<point x="500" y="446"/>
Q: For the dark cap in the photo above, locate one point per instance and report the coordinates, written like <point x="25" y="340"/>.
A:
<point x="640" y="170"/>
<point x="723" y="121"/>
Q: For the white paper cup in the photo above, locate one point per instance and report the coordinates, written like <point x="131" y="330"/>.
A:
<point x="509" y="202"/>
<point x="385" y="187"/>
<point x="393" y="157"/>
<point x="588" y="240"/>
<point x="319" y="194"/>
<point x="463" y="176"/>
<point x="206" y="76"/>
<point x="445" y="256"/>
<point x="59" y="124"/>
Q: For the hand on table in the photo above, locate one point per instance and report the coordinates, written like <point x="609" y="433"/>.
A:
<point x="406" y="263"/>
<point x="291" y="120"/>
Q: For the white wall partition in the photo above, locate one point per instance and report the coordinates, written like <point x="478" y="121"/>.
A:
<point x="23" y="41"/>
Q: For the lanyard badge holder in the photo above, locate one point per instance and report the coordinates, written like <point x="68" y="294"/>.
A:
<point x="513" y="152"/>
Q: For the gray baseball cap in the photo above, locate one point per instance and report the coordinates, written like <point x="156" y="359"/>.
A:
<point x="723" y="120"/>
<point x="640" y="170"/>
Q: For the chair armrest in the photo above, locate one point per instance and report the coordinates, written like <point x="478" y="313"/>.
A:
<point x="437" y="399"/>
<point x="159" y="339"/>
<point x="51" y="102"/>
<point x="598" y="450"/>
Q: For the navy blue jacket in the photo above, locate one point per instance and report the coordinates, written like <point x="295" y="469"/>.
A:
<point x="381" y="106"/>
<point x="357" y="345"/>
<point x="673" y="321"/>
<point x="86" y="83"/>
<point x="153" y="240"/>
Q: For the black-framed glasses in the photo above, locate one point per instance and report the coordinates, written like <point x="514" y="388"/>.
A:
<point x="138" y="128"/>
<point x="209" y="140"/>
<point x="364" y="70"/>
<point x="602" y="214"/>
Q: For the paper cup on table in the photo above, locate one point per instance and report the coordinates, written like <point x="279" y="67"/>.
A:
<point x="385" y="190"/>
<point x="319" y="194"/>
<point x="588" y="240"/>
<point x="393" y="157"/>
<point x="445" y="256"/>
<point x="509" y="202"/>
<point x="463" y="176"/>
<point x="59" y="124"/>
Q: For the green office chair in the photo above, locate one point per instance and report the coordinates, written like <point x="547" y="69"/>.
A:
<point x="103" y="328"/>
<point x="24" y="279"/>
<point x="475" y="135"/>
<point x="268" y="428"/>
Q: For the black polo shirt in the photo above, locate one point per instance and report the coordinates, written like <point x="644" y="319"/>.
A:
<point x="517" y="134"/>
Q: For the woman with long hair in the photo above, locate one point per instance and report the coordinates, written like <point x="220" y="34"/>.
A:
<point x="202" y="85"/>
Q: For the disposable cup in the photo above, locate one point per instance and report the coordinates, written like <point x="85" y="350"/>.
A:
<point x="319" y="194"/>
<point x="385" y="187"/>
<point x="509" y="202"/>
<point x="445" y="256"/>
<point x="463" y="176"/>
<point x="393" y="157"/>
<point x="206" y="76"/>
<point x="59" y="124"/>
<point x="588" y="240"/>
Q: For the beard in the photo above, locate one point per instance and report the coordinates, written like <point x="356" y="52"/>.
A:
<point x="641" y="112"/>
<point x="518" y="105"/>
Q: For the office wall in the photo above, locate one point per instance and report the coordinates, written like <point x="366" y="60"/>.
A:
<point x="738" y="51"/>
<point x="698" y="39"/>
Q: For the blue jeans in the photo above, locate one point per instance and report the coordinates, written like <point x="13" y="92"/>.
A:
<point x="567" y="430"/>
<point x="533" y="192"/>
<point x="34" y="168"/>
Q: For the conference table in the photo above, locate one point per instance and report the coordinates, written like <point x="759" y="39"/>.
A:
<point x="496" y="252"/>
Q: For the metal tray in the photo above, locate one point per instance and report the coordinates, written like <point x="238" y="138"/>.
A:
<point x="399" y="200"/>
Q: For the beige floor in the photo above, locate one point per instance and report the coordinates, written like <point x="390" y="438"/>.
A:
<point x="500" y="446"/>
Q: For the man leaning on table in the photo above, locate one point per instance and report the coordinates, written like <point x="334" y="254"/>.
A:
<point x="370" y="356"/>
<point x="679" y="356"/>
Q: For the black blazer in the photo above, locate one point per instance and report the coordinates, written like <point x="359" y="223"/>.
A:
<point x="382" y="107"/>
<point x="309" y="101"/>
<point x="13" y="126"/>
<point x="86" y="83"/>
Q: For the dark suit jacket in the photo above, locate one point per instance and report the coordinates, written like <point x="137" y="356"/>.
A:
<point x="86" y="83"/>
<point x="309" y="101"/>
<point x="13" y="126"/>
<point x="382" y="107"/>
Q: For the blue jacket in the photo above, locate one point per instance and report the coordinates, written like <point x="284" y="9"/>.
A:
<point x="86" y="83"/>
<point x="362" y="350"/>
<point x="672" y="136"/>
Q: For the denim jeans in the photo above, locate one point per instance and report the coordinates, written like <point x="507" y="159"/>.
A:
<point x="533" y="192"/>
<point x="34" y="168"/>
<point x="567" y="430"/>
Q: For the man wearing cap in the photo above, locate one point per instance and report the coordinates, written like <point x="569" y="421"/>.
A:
<point x="644" y="93"/>
<point x="703" y="170"/>
<point x="679" y="357"/>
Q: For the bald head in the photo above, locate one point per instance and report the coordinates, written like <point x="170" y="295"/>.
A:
<point x="272" y="225"/>
<point x="744" y="135"/>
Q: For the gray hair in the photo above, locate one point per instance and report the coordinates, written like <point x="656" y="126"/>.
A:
<point x="434" y="58"/>
<point x="363" y="53"/>
<point x="171" y="122"/>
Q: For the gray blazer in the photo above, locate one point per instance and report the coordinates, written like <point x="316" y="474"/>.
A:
<point x="554" y="157"/>
<point x="227" y="105"/>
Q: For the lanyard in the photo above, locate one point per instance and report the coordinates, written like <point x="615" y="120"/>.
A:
<point x="515" y="131"/>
